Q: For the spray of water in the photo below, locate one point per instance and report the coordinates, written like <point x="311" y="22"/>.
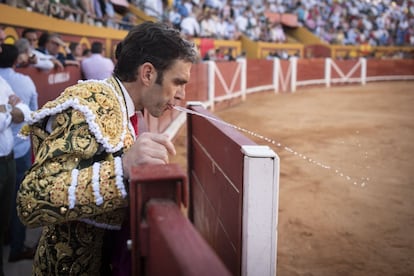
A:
<point x="303" y="157"/>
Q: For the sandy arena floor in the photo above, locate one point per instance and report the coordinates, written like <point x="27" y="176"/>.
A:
<point x="360" y="222"/>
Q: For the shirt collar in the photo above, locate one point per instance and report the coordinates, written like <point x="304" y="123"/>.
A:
<point x="129" y="103"/>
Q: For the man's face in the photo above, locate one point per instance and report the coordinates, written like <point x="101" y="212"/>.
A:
<point x="52" y="47"/>
<point x="161" y="97"/>
<point x="32" y="38"/>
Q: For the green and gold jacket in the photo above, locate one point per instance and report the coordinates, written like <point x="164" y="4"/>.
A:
<point x="75" y="188"/>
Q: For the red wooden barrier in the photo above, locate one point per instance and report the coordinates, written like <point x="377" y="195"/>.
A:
<point x="175" y="247"/>
<point x="259" y="72"/>
<point x="50" y="84"/>
<point x="226" y="79"/>
<point x="163" y="241"/>
<point x="390" y="67"/>
<point x="311" y="69"/>
<point x="215" y="164"/>
<point x="147" y="182"/>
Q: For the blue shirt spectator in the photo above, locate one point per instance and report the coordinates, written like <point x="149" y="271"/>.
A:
<point x="24" y="88"/>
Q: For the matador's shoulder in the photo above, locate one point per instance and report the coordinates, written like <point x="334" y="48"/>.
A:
<point x="102" y="105"/>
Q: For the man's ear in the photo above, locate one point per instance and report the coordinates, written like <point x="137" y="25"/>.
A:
<point x="147" y="73"/>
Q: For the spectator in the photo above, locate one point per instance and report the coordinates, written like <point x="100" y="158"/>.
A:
<point x="277" y="34"/>
<point x="242" y="22"/>
<point x="40" y="60"/>
<point x="231" y="31"/>
<point x="154" y="8"/>
<point x="208" y="25"/>
<point x="210" y="55"/>
<point x="97" y="66"/>
<point x="190" y="26"/>
<point x="25" y="89"/>
<point x="11" y="111"/>
<point x="109" y="15"/>
<point x="174" y="17"/>
<point x="227" y="10"/>
<point x="183" y="9"/>
<point x="229" y="55"/>
<point x="50" y="43"/>
<point x="128" y="21"/>
<point x="220" y="27"/>
<point x="76" y="50"/>
<point x="25" y="56"/>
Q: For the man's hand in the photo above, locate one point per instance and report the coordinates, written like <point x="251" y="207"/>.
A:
<point x="13" y="100"/>
<point x="17" y="114"/>
<point x="57" y="64"/>
<point x="150" y="148"/>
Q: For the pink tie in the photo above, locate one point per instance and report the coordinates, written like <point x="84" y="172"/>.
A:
<point x="134" y="122"/>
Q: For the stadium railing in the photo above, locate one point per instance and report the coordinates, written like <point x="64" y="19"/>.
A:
<point x="164" y="241"/>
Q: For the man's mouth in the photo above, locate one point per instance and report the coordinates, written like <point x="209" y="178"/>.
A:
<point x="169" y="106"/>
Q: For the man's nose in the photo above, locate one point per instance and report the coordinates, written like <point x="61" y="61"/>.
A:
<point x="180" y="95"/>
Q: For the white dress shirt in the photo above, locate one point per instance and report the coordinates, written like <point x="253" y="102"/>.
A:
<point x="44" y="61"/>
<point x="97" y="67"/>
<point x="6" y="134"/>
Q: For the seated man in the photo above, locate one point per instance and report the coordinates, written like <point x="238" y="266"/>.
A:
<point x="39" y="59"/>
<point x="96" y="66"/>
<point x="50" y="44"/>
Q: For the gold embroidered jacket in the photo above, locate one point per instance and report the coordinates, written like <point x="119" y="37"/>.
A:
<point x="75" y="187"/>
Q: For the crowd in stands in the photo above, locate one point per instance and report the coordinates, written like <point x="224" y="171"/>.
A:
<point x="352" y="22"/>
<point x="49" y="51"/>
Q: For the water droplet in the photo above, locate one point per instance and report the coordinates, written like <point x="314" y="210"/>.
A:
<point x="271" y="141"/>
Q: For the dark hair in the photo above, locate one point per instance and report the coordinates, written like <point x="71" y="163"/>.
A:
<point x="8" y="55"/>
<point x="72" y="46"/>
<point x="28" y="30"/>
<point x="43" y="39"/>
<point x="86" y="52"/>
<point x="96" y="47"/>
<point x="152" y="42"/>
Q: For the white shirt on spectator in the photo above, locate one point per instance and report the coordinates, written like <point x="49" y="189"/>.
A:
<point x="154" y="8"/>
<point x="97" y="67"/>
<point x="44" y="61"/>
<point x="277" y="34"/>
<point x="213" y="4"/>
<point x="190" y="26"/>
<point x="220" y="29"/>
<point x="241" y="23"/>
<point x="208" y="27"/>
<point x="174" y="17"/>
<point x="189" y="6"/>
<point x="6" y="133"/>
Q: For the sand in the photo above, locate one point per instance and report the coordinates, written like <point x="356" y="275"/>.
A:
<point x="355" y="217"/>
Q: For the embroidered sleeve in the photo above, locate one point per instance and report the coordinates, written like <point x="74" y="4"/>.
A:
<point x="72" y="178"/>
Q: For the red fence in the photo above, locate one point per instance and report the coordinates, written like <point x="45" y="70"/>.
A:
<point x="164" y="242"/>
<point x="223" y="198"/>
<point x="50" y="84"/>
<point x="216" y="203"/>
